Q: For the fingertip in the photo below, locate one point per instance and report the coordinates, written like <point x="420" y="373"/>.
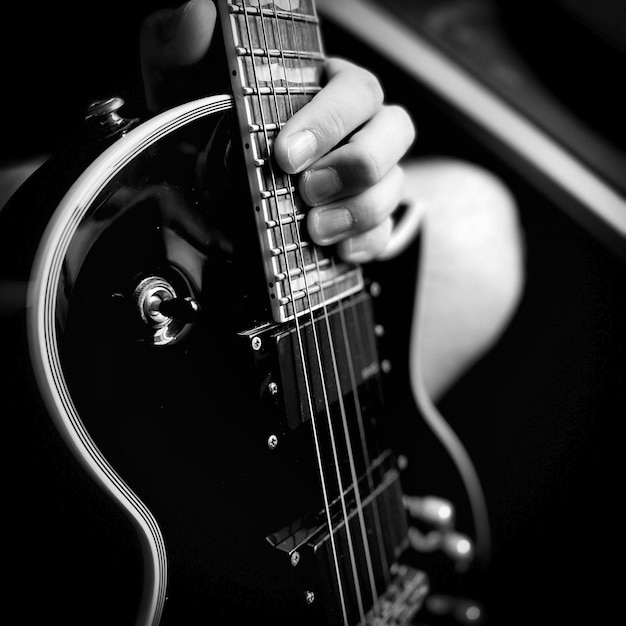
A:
<point x="366" y="246"/>
<point x="280" y="153"/>
<point x="352" y="251"/>
<point x="295" y="152"/>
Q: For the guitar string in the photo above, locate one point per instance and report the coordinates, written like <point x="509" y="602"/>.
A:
<point x="354" y="389"/>
<point x="377" y="521"/>
<point x="285" y="68"/>
<point x="369" y="338"/>
<point x="368" y="462"/>
<point x="364" y="447"/>
<point x="299" y="64"/>
<point x="296" y="322"/>
<point x="342" y="490"/>
<point x="293" y="204"/>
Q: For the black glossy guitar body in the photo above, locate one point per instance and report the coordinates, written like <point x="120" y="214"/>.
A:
<point x="163" y="465"/>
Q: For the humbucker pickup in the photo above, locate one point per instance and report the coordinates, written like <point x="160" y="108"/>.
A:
<point x="326" y="357"/>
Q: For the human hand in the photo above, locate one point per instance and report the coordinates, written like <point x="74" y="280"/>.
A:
<point x="345" y="144"/>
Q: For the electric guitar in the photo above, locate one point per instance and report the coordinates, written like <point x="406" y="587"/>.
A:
<point x="198" y="384"/>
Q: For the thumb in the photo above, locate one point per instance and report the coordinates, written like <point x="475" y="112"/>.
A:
<point x="172" y="44"/>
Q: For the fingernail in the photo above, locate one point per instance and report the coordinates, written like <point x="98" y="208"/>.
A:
<point x="171" y="24"/>
<point x="331" y="224"/>
<point x="321" y="185"/>
<point x="301" y="149"/>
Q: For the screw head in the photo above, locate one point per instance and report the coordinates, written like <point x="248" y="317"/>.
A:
<point x="256" y="343"/>
<point x="272" y="442"/>
<point x="375" y="289"/>
<point x="310" y="597"/>
<point x="295" y="558"/>
<point x="272" y="388"/>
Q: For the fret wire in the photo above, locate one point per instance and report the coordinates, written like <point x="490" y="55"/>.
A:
<point x="276" y="53"/>
<point x="319" y="287"/>
<point x="282" y="91"/>
<point x="285" y="220"/>
<point x="298" y="270"/>
<point x="351" y="286"/>
<point x="272" y="126"/>
<point x="279" y="192"/>
<point x="330" y="293"/>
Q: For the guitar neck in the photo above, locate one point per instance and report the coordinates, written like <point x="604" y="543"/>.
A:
<point x="275" y="57"/>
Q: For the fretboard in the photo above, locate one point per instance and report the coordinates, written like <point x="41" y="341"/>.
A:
<point x="275" y="56"/>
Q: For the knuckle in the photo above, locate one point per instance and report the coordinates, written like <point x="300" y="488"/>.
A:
<point x="369" y="215"/>
<point x="400" y="176"/>
<point x="372" y="86"/>
<point x="335" y="126"/>
<point x="382" y="200"/>
<point x="329" y="125"/>
<point x="365" y="168"/>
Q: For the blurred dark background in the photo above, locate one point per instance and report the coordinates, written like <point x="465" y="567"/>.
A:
<point x="541" y="413"/>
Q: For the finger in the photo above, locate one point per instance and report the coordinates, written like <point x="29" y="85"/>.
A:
<point x="351" y="97"/>
<point x="171" y="41"/>
<point x="333" y="222"/>
<point x="363" y="162"/>
<point x="368" y="245"/>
